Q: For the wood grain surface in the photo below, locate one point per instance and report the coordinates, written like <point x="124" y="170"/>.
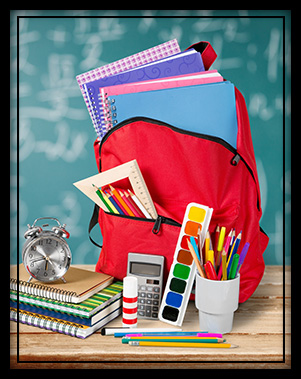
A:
<point x="264" y="339"/>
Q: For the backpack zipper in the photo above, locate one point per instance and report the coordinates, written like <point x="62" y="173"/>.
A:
<point x="234" y="161"/>
<point x="157" y="222"/>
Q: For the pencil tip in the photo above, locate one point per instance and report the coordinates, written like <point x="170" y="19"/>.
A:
<point x="233" y="346"/>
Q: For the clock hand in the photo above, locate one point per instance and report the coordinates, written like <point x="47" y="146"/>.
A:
<point x="37" y="260"/>
<point x="40" y="251"/>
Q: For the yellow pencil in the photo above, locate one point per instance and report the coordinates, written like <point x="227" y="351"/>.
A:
<point x="224" y="265"/>
<point x="183" y="344"/>
<point x="106" y="197"/>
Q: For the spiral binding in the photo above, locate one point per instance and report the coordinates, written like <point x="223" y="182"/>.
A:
<point x="43" y="291"/>
<point x="109" y="111"/>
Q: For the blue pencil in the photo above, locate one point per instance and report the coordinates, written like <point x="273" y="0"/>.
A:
<point x="195" y="248"/>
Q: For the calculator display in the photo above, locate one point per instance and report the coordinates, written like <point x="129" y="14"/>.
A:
<point x="146" y="269"/>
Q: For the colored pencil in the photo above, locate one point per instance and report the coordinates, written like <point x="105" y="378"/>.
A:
<point x="110" y="204"/>
<point x="99" y="194"/>
<point x="121" y="201"/>
<point x="174" y="339"/>
<point x="183" y="344"/>
<point x="234" y="265"/>
<point x="224" y="268"/>
<point x="125" y="197"/>
<point x="210" y="272"/>
<point x="233" y="252"/>
<point x="110" y="194"/>
<point x="216" y="239"/>
<point x="134" y="208"/>
<point x="194" y="245"/>
<point x="242" y="256"/>
<point x="112" y="200"/>
<point x="195" y="258"/>
<point x="220" y="246"/>
<point x="200" y="245"/>
<point x="140" y="206"/>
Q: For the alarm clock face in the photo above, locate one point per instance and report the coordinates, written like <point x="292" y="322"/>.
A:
<point x="47" y="258"/>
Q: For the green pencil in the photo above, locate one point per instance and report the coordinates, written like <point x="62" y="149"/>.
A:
<point x="234" y="265"/>
<point x="108" y="208"/>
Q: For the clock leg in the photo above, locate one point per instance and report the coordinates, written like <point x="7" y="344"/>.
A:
<point x="29" y="279"/>
<point x="63" y="279"/>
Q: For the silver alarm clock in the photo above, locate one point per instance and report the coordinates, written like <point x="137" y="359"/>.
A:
<point x="46" y="254"/>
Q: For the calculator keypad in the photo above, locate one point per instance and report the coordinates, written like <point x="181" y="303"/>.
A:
<point x="148" y="301"/>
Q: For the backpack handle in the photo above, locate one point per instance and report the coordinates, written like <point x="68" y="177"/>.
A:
<point x="207" y="52"/>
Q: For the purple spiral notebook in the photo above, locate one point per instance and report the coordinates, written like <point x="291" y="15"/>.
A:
<point x="180" y="64"/>
<point x="155" y="53"/>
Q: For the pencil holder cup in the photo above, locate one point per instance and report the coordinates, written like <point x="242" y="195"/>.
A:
<point x="216" y="301"/>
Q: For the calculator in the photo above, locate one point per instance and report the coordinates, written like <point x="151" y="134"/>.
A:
<point x="148" y="269"/>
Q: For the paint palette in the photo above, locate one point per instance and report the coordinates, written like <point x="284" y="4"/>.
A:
<point x="182" y="272"/>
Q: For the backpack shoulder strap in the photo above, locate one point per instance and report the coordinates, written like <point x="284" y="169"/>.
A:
<point x="92" y="223"/>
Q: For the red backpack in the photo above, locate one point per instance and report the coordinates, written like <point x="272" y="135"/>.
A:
<point x="179" y="167"/>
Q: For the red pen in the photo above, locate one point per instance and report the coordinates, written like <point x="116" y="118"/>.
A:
<point x="210" y="272"/>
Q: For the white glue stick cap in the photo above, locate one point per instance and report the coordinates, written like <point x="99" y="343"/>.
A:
<point x="130" y="286"/>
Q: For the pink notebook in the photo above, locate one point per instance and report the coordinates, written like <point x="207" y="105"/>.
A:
<point x="204" y="77"/>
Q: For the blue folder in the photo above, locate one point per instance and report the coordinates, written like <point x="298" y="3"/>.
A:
<point x="207" y="108"/>
<point x="178" y="64"/>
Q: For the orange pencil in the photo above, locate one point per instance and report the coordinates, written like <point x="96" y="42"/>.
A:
<point x="121" y="201"/>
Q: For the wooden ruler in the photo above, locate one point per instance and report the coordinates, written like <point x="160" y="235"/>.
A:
<point x="128" y="170"/>
<point x="141" y="190"/>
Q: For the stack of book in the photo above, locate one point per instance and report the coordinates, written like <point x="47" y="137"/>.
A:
<point x="79" y="307"/>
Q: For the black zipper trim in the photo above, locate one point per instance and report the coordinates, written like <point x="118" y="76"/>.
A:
<point x="218" y="140"/>
<point x="157" y="222"/>
<point x="174" y="128"/>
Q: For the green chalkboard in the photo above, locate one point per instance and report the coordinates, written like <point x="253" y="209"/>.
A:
<point x="49" y="48"/>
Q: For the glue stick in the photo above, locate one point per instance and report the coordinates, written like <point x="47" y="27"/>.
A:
<point x="130" y="297"/>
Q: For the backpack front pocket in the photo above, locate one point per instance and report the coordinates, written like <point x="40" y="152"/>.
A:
<point x="123" y="235"/>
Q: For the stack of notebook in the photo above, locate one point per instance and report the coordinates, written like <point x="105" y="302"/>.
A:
<point x="79" y="307"/>
<point x="172" y="87"/>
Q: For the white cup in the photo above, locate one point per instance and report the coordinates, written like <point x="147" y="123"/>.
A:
<point x="216" y="301"/>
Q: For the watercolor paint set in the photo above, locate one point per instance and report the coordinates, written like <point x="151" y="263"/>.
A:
<point x="183" y="269"/>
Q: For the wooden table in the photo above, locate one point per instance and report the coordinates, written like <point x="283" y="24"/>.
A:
<point x="260" y="330"/>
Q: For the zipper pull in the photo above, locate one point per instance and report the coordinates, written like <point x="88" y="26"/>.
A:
<point x="156" y="228"/>
<point x="235" y="160"/>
